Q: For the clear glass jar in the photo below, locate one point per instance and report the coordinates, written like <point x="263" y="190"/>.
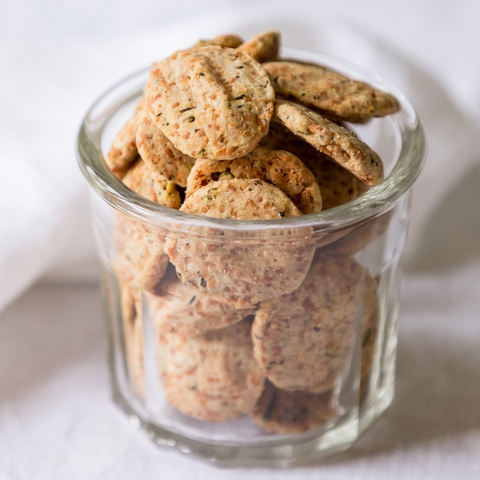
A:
<point x="280" y="344"/>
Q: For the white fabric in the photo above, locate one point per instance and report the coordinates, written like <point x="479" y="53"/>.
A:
<point x="56" y="57"/>
<point x="57" y="420"/>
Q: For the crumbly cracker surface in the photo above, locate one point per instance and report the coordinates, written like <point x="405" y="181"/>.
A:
<point x="143" y="180"/>
<point x="212" y="377"/>
<point x="188" y="311"/>
<point x="263" y="47"/>
<point x="211" y="102"/>
<point x="159" y="153"/>
<point x="140" y="258"/>
<point x="245" y="270"/>
<point x="303" y="339"/>
<point x="241" y="199"/>
<point x="281" y="168"/>
<point x="331" y="139"/>
<point x="331" y="92"/>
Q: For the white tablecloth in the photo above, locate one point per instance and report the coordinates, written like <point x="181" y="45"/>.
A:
<point x="57" y="421"/>
<point x="56" y="417"/>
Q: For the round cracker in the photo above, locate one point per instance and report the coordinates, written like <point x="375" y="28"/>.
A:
<point x="241" y="271"/>
<point x="337" y="185"/>
<point x="143" y="180"/>
<point x="141" y="260"/>
<point x="331" y="139"/>
<point x="211" y="102"/>
<point x="331" y="92"/>
<point x="262" y="47"/>
<point x="160" y="154"/>
<point x="283" y="412"/>
<point x="212" y="377"/>
<point x="140" y="257"/>
<point x="281" y="168"/>
<point x="229" y="41"/>
<point x="303" y="340"/>
<point x="241" y="199"/>
<point x="188" y="311"/>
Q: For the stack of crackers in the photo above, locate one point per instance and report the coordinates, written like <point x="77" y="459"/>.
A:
<point x="260" y="325"/>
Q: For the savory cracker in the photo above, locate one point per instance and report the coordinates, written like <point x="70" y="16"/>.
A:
<point x="263" y="47"/>
<point x="143" y="180"/>
<point x="337" y="185"/>
<point x="211" y="102"/>
<point x="280" y="168"/>
<point x="331" y="139"/>
<point x="160" y="154"/>
<point x="283" y="412"/>
<point x="302" y="340"/>
<point x="241" y="199"/>
<point x="141" y="260"/>
<point x="229" y="41"/>
<point x="188" y="311"/>
<point x="245" y="270"/>
<point x="212" y="377"/>
<point x="331" y="92"/>
<point x="124" y="148"/>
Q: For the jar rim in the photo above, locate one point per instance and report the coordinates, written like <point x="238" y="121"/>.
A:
<point x="376" y="200"/>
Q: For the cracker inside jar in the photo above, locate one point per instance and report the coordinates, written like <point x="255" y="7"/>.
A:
<point x="256" y="321"/>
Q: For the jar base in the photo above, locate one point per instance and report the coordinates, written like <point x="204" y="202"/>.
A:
<point x="303" y="448"/>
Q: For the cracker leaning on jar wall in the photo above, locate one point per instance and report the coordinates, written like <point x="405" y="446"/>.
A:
<point x="159" y="153"/>
<point x="188" y="311"/>
<point x="303" y="340"/>
<point x="332" y="140"/>
<point x="141" y="260"/>
<point x="212" y="377"/>
<point x="124" y="147"/>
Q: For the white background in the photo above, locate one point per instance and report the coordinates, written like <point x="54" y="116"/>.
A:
<point x="56" y="418"/>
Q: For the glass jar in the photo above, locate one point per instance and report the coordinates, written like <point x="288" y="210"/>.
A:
<point x="280" y="343"/>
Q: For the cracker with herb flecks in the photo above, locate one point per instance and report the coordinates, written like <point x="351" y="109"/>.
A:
<point x="242" y="273"/>
<point x="188" y="311"/>
<point x="211" y="102"/>
<point x="212" y="377"/>
<point x="331" y="92"/>
<point x="280" y="168"/>
<point x="335" y="141"/>
<point x="262" y="47"/>
<point x="302" y="340"/>
<point x="160" y="154"/>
